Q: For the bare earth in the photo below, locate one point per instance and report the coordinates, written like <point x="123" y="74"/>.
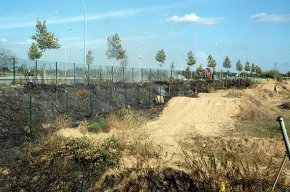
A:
<point x="209" y="115"/>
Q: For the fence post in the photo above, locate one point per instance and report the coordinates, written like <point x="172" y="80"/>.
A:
<point x="138" y="97"/>
<point x="35" y="72"/>
<point x="56" y="73"/>
<point x="123" y="68"/>
<point x="150" y="74"/>
<point x="30" y="118"/>
<point x="74" y="73"/>
<point x="132" y="75"/>
<point x="66" y="101"/>
<point x="141" y="74"/>
<point x="149" y="96"/>
<point x="126" y="96"/>
<point x="101" y="74"/>
<point x="91" y="104"/>
<point x="112" y="70"/>
<point x="84" y="182"/>
<point x="14" y="73"/>
<point x="111" y="97"/>
<point x="88" y="77"/>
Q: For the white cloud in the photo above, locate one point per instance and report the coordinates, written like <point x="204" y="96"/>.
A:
<point x="266" y="18"/>
<point x="15" y="22"/>
<point x="192" y="18"/>
<point x="3" y="40"/>
<point x="26" y="42"/>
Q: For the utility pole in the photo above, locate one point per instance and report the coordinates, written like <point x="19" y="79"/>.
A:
<point x="275" y="69"/>
<point x="286" y="69"/>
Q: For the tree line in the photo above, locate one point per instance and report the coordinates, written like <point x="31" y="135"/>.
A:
<point x="44" y="40"/>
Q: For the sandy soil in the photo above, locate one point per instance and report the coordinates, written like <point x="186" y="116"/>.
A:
<point x="211" y="114"/>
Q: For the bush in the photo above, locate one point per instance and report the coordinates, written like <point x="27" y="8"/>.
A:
<point x="273" y="74"/>
<point x="100" y="124"/>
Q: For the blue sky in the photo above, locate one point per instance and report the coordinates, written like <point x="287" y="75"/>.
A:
<point x="254" y="30"/>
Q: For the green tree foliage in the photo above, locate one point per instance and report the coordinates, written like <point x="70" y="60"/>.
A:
<point x="258" y="70"/>
<point x="227" y="63"/>
<point x="34" y="52"/>
<point x="6" y="57"/>
<point x="253" y="67"/>
<point x="239" y="66"/>
<point x="44" y="39"/>
<point x="191" y="61"/>
<point x="160" y="57"/>
<point x="211" y="62"/>
<point x="90" y="57"/>
<point x="115" y="49"/>
<point x="247" y="66"/>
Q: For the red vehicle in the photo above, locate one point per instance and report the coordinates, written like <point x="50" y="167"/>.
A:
<point x="203" y="72"/>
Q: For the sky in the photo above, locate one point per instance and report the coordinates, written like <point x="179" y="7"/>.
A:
<point x="253" y="30"/>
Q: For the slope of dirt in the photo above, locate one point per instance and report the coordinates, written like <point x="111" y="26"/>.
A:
<point x="209" y="115"/>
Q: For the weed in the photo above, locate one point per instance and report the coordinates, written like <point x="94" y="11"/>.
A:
<point x="125" y="119"/>
<point x="55" y="163"/>
<point x="98" y="125"/>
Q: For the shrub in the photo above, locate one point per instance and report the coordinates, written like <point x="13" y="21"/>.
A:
<point x="100" y="124"/>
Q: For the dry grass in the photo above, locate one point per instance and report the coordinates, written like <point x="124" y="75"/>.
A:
<point x="235" y="172"/>
<point x="124" y="119"/>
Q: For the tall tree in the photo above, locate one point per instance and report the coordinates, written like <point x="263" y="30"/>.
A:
<point x="115" y="49"/>
<point x="227" y="63"/>
<point x="247" y="66"/>
<point x="239" y="66"/>
<point x="90" y="57"/>
<point x="211" y="62"/>
<point x="160" y="57"/>
<point x="44" y="39"/>
<point x="258" y="70"/>
<point x="191" y="61"/>
<point x="253" y="68"/>
<point x="34" y="52"/>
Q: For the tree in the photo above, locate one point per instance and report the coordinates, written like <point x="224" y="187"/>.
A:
<point x="253" y="68"/>
<point x="124" y="62"/>
<point x="115" y="49"/>
<point x="247" y="66"/>
<point x="44" y="40"/>
<point x="239" y="66"/>
<point x="172" y="67"/>
<point x="191" y="61"/>
<point x="211" y="62"/>
<point x="34" y="52"/>
<point x="6" y="58"/>
<point x="227" y="63"/>
<point x="160" y="57"/>
<point x="90" y="57"/>
<point x="258" y="70"/>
